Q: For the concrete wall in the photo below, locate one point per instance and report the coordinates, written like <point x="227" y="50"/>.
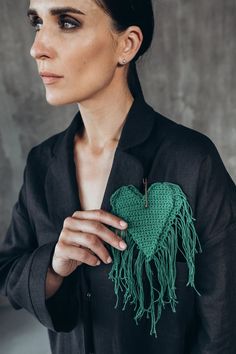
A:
<point x="188" y="75"/>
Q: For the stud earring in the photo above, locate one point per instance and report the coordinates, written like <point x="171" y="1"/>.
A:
<point x="124" y="61"/>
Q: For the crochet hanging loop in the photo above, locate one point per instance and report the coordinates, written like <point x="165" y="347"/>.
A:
<point x="145" y="182"/>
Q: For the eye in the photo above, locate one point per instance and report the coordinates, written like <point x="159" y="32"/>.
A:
<point x="35" y="22"/>
<point x="68" y="23"/>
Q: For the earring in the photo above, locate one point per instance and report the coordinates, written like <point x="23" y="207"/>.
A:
<point x="123" y="61"/>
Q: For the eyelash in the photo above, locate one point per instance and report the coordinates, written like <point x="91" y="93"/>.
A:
<point x="62" y="20"/>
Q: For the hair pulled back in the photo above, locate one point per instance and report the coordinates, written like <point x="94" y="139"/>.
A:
<point x="125" y="13"/>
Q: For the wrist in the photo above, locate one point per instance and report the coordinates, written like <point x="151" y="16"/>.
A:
<point x="52" y="272"/>
<point x="53" y="282"/>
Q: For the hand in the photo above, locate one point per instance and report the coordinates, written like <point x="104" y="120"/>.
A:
<point x="82" y="240"/>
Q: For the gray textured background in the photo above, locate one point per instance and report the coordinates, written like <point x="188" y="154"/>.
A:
<point x="188" y="75"/>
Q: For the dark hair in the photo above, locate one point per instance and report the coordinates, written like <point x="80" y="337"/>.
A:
<point x="125" y="13"/>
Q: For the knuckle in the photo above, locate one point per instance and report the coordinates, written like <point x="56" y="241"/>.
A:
<point x="62" y="234"/>
<point x="82" y="255"/>
<point x="94" y="243"/>
<point x="59" y="247"/>
<point x="99" y="214"/>
<point x="77" y="213"/>
<point x="67" y="221"/>
<point x="98" y="227"/>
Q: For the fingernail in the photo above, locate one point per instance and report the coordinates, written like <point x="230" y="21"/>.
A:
<point x="109" y="260"/>
<point x="123" y="223"/>
<point x="98" y="263"/>
<point x="122" y="245"/>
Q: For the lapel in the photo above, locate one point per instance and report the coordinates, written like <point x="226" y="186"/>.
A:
<point x="60" y="183"/>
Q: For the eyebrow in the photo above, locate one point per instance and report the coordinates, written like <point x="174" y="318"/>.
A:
<point x="57" y="11"/>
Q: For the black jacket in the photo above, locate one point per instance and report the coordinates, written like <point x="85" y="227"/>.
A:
<point x="80" y="317"/>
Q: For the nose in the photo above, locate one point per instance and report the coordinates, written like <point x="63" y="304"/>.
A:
<point x="42" y="46"/>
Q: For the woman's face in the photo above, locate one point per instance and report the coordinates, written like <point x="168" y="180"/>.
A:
<point x="79" y="48"/>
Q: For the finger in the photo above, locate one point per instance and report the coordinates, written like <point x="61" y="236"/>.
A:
<point x="89" y="241"/>
<point x="97" y="228"/>
<point x="108" y="260"/>
<point x="101" y="216"/>
<point x="79" y="254"/>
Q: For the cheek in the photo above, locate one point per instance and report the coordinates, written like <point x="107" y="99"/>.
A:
<point x="92" y="62"/>
<point x="87" y="69"/>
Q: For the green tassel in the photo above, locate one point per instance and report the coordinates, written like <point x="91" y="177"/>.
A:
<point x="130" y="266"/>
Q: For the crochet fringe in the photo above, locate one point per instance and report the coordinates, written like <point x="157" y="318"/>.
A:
<point x="127" y="271"/>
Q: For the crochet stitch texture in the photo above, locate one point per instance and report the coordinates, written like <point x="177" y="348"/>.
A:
<point x="152" y="238"/>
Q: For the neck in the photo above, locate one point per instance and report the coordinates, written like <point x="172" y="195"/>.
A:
<point x="104" y="118"/>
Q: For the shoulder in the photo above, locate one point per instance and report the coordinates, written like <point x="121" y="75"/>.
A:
<point x="182" y="141"/>
<point x="42" y="153"/>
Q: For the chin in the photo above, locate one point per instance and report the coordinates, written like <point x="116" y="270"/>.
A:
<point x="58" y="100"/>
<point x="58" y="97"/>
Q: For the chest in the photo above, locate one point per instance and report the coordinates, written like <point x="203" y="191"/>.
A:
<point x="92" y="173"/>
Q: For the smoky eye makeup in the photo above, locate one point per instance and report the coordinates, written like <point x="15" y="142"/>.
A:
<point x="35" y="22"/>
<point x="65" y="22"/>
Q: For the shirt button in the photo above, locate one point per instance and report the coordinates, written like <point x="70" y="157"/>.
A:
<point x="89" y="297"/>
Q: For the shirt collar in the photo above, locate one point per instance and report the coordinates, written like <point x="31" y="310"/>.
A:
<point x="136" y="129"/>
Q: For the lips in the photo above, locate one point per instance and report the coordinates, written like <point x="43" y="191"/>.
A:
<point x="50" y="78"/>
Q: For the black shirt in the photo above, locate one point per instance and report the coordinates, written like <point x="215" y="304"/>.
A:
<point x="80" y="317"/>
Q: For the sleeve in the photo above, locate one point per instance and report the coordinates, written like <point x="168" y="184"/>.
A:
<point x="23" y="270"/>
<point x="216" y="265"/>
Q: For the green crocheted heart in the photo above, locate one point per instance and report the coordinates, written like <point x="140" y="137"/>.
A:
<point x="148" y="226"/>
<point x="153" y="236"/>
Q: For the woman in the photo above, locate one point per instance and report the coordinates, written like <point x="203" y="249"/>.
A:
<point x="62" y="255"/>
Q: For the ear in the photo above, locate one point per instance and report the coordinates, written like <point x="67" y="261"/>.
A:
<point x="130" y="42"/>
